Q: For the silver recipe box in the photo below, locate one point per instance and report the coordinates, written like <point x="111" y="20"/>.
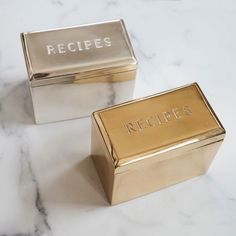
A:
<point x="75" y="71"/>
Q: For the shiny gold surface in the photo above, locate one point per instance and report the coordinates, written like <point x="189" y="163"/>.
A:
<point x="154" y="142"/>
<point x="74" y="71"/>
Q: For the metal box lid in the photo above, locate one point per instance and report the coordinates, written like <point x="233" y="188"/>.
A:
<point x="77" y="53"/>
<point x="158" y="127"/>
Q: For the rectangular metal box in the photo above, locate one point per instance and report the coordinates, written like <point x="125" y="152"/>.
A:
<point x="74" y="71"/>
<point x="151" y="143"/>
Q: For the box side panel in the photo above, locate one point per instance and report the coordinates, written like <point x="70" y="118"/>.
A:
<point x="210" y="108"/>
<point x="26" y="55"/>
<point x="64" y="101"/>
<point x="152" y="177"/>
<point x="126" y="35"/>
<point x="102" y="160"/>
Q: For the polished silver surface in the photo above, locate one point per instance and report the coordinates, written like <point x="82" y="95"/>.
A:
<point x="75" y="71"/>
<point x="67" y="100"/>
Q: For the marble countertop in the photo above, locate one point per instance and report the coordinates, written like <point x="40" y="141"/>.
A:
<point x="48" y="185"/>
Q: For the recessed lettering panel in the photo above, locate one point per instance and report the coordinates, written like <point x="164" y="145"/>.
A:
<point x="153" y="123"/>
<point x="79" y="49"/>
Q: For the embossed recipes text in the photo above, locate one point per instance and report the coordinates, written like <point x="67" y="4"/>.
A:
<point x="157" y="119"/>
<point x="78" y="46"/>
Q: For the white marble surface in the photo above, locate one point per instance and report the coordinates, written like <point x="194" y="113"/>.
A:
<point x="48" y="186"/>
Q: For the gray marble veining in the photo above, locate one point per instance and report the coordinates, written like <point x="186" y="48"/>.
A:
<point x="48" y="185"/>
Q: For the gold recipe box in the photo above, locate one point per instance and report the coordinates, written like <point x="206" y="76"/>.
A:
<point x="75" y="71"/>
<point x="151" y="143"/>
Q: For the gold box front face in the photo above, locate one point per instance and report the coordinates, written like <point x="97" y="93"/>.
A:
<point x="147" y="144"/>
<point x="74" y="71"/>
